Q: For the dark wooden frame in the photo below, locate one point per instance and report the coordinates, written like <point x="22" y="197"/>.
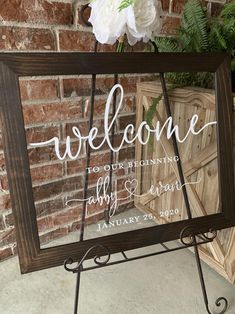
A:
<point x="14" y="65"/>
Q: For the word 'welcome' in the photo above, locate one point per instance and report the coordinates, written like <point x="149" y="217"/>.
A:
<point x="130" y="135"/>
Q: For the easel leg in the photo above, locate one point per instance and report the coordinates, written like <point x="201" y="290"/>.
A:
<point x="187" y="204"/>
<point x="78" y="269"/>
<point x="204" y="292"/>
<point x="77" y="292"/>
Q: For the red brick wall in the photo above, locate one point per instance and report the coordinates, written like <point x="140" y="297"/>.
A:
<point x="52" y="104"/>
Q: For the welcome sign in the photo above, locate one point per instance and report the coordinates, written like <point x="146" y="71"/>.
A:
<point x="102" y="196"/>
<point x="126" y="165"/>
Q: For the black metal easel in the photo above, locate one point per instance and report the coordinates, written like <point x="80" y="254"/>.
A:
<point x="194" y="241"/>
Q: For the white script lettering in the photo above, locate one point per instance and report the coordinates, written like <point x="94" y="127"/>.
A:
<point x="129" y="135"/>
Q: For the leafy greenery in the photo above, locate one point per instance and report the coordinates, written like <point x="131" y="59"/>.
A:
<point x="152" y="109"/>
<point x="200" y="32"/>
<point x="125" y="4"/>
<point x="194" y="25"/>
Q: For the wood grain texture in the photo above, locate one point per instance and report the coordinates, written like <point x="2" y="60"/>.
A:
<point x="17" y="164"/>
<point x="28" y="64"/>
<point x="224" y="114"/>
<point x="14" y="65"/>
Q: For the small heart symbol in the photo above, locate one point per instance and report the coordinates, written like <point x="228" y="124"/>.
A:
<point x="131" y="186"/>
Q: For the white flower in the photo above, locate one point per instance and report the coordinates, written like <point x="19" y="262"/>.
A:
<point x="108" y="23"/>
<point x="140" y="21"/>
<point x="143" y="20"/>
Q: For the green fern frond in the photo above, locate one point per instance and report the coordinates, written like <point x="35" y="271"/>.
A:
<point x="194" y="27"/>
<point x="228" y="10"/>
<point x="167" y="44"/>
<point x="152" y="110"/>
<point x="217" y="40"/>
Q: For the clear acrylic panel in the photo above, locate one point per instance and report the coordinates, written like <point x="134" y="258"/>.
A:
<point x="128" y="179"/>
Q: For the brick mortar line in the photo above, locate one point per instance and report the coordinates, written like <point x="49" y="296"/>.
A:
<point x="61" y="87"/>
<point x="55" y="214"/>
<point x="7" y="229"/>
<point x="50" y="27"/>
<point x="2" y="193"/>
<point x="77" y="76"/>
<point x="74" y="141"/>
<point x="11" y="245"/>
<point x="63" y="100"/>
<point x="65" y="210"/>
<point x="85" y="28"/>
<point x="105" y="151"/>
<point x="96" y="154"/>
<point x="39" y="77"/>
<point x="56" y="28"/>
<point x="58" y="196"/>
<point x="71" y="176"/>
<point x="56" y="101"/>
<point x="34" y="25"/>
<point x="7" y="212"/>
<point x="26" y="51"/>
<point x="62" y="211"/>
<point x="57" y="41"/>
<point x="70" y="121"/>
<point x="55" y="162"/>
<point x="75" y="6"/>
<point x="67" y="194"/>
<point x="69" y="224"/>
